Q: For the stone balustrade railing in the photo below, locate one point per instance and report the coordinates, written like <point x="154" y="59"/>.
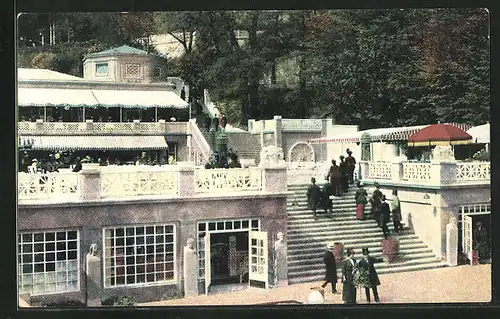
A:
<point x="93" y="183"/>
<point x="89" y="127"/>
<point x="427" y="173"/>
<point x="200" y="150"/>
<point x="300" y="173"/>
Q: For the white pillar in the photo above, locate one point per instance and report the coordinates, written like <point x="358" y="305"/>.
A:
<point x="452" y="242"/>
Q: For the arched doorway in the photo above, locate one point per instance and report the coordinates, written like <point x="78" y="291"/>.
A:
<point x="301" y="152"/>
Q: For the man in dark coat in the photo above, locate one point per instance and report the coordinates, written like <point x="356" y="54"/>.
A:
<point x="313" y="196"/>
<point x="396" y="211"/>
<point x="331" y="268"/>
<point x="351" y="166"/>
<point x="348" y="270"/>
<point x="334" y="178"/>
<point x="326" y="201"/>
<point x="367" y="264"/>
<point x="385" y="212"/>
<point x="375" y="201"/>
<point x="344" y="174"/>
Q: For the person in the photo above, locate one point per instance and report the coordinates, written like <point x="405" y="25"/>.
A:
<point x="78" y="166"/>
<point x="344" y="179"/>
<point x="375" y="201"/>
<point x="351" y="166"/>
<point x="142" y="160"/>
<point x="348" y="271"/>
<point x="361" y="201"/>
<point x="396" y="211"/>
<point x="480" y="238"/>
<point x="334" y="178"/>
<point x="171" y="159"/>
<point x="331" y="268"/>
<point x="234" y="161"/>
<point x="384" y="216"/>
<point x="313" y="196"/>
<point x="326" y="201"/>
<point x="367" y="264"/>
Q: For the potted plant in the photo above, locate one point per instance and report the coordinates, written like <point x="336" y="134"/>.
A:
<point x="390" y="249"/>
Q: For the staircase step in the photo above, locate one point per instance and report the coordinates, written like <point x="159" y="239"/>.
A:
<point x="337" y="232"/>
<point x="329" y="227"/>
<point x="349" y="242"/>
<point x="306" y="255"/>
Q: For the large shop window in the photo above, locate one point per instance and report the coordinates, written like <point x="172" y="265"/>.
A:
<point x="139" y="255"/>
<point x="48" y="262"/>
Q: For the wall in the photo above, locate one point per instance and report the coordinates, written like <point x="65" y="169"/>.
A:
<point x="182" y="149"/>
<point x="383" y="152"/>
<point x="334" y="150"/>
<point x="290" y="138"/>
<point x="90" y="218"/>
<point x="245" y="144"/>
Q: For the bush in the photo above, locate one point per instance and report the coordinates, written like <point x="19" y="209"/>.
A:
<point x="482" y="155"/>
<point x="124" y="301"/>
<point x="64" y="304"/>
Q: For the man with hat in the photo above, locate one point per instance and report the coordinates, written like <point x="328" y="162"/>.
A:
<point x="313" y="196"/>
<point x="344" y="178"/>
<point x="334" y="178"/>
<point x="384" y="215"/>
<point x="78" y="166"/>
<point x="349" y="268"/>
<point x="375" y="201"/>
<point x="367" y="264"/>
<point x="351" y="165"/>
<point x="331" y="268"/>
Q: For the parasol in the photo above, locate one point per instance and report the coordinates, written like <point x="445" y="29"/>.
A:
<point x="439" y="134"/>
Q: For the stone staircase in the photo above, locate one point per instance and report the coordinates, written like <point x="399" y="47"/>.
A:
<point x="307" y="239"/>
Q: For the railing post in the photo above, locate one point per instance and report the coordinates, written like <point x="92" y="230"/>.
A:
<point x="89" y="125"/>
<point x="162" y="126"/>
<point x="185" y="180"/>
<point x="136" y="126"/>
<point x="443" y="173"/>
<point x="278" y="131"/>
<point x="397" y="170"/>
<point x="39" y="126"/>
<point x="189" y="137"/>
<point x="89" y="180"/>
<point x="364" y="166"/>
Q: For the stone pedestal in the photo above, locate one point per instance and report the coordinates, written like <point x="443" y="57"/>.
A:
<point x="39" y="125"/>
<point x="93" y="274"/>
<point x="163" y="125"/>
<point x="186" y="181"/>
<point x="136" y="126"/>
<point x="452" y="244"/>
<point x="190" y="263"/>
<point x="443" y="172"/>
<point x="90" y="184"/>
<point x="89" y="125"/>
<point x="274" y="179"/>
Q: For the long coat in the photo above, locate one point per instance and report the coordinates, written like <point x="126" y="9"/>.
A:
<point x="396" y="209"/>
<point x="331" y="267"/>
<point x="384" y="213"/>
<point x="348" y="288"/>
<point x="313" y="195"/>
<point x="360" y="196"/>
<point x="367" y="264"/>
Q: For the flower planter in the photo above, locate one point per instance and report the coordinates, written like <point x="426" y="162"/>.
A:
<point x="475" y="258"/>
<point x="338" y="252"/>
<point x="390" y="249"/>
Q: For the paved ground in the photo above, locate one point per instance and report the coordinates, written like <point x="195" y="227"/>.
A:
<point x="454" y="284"/>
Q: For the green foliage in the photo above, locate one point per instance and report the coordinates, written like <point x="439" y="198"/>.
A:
<point x="124" y="301"/>
<point x="361" y="278"/>
<point x="482" y="155"/>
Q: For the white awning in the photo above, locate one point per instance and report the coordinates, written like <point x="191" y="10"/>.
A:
<point x="53" y="97"/>
<point x="95" y="142"/>
<point x="379" y="134"/>
<point x="480" y="134"/>
<point x="139" y="99"/>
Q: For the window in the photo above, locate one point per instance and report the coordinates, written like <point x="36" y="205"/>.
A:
<point x="101" y="69"/>
<point x="132" y="70"/>
<point x="48" y="262"/>
<point x="157" y="71"/>
<point x="139" y="255"/>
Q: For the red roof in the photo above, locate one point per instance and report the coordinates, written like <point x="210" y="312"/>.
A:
<point x="439" y="132"/>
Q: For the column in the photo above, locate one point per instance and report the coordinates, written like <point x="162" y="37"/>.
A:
<point x="93" y="275"/>
<point x="396" y="170"/>
<point x="39" y="125"/>
<point x="186" y="181"/>
<point x="324" y="146"/>
<point x="190" y="268"/>
<point x="364" y="165"/>
<point x="443" y="173"/>
<point x="452" y="242"/>
<point x="278" y="131"/>
<point x="89" y="125"/>
<point x="137" y="126"/>
<point x="89" y="180"/>
<point x="274" y="179"/>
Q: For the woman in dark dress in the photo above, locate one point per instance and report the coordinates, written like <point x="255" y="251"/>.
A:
<point x="348" y="270"/>
<point x="331" y="268"/>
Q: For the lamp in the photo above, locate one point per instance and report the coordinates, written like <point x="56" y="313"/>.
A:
<point x="426" y="196"/>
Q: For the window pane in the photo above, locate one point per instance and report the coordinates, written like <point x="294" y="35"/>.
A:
<point x="60" y="246"/>
<point x="244" y="224"/>
<point x="150" y="239"/>
<point x="220" y="226"/>
<point x="139" y="230"/>
<point x="201" y="226"/>
<point x="211" y="226"/>
<point x="39" y="248"/>
<point x="39" y="257"/>
<point x="61" y="256"/>
<point x="27" y="248"/>
<point x="119" y="232"/>
<point x="50" y="257"/>
<point x="255" y="223"/>
<point x="50" y="247"/>
<point x="50" y="236"/>
<point x="72" y="244"/>
<point x="38" y="237"/>
<point x="61" y="235"/>
<point x="229" y="225"/>
<point x="159" y="229"/>
<point x="50" y="266"/>
<point x="27" y="258"/>
<point x="120" y="241"/>
<point x="150" y="230"/>
<point x="237" y="224"/>
<point x="130" y="231"/>
<point x="72" y="255"/>
<point x="27" y="238"/>
<point x="39" y="268"/>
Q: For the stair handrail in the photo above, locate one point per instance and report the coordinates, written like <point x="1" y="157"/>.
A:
<point x="199" y="140"/>
<point x="208" y="106"/>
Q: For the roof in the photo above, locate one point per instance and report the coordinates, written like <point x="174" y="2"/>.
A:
<point x="439" y="132"/>
<point x="96" y="142"/>
<point x="95" y="98"/>
<point x="480" y="134"/>
<point x="44" y="74"/>
<point x="379" y="134"/>
<point x="124" y="49"/>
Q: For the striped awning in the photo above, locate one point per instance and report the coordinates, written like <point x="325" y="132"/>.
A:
<point x="99" y="98"/>
<point x="55" y="97"/>
<point x="94" y="142"/>
<point x="377" y="135"/>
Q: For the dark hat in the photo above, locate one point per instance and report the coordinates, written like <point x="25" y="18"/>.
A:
<point x="365" y="251"/>
<point x="341" y="156"/>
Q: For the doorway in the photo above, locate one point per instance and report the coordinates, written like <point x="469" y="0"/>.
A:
<point x="229" y="258"/>
<point x="472" y="240"/>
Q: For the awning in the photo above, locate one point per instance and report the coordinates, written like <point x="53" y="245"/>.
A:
<point x="139" y="99"/>
<point x="55" y="97"/>
<point x="95" y="142"/>
<point x="480" y="134"/>
<point x="380" y="134"/>
<point x="439" y="134"/>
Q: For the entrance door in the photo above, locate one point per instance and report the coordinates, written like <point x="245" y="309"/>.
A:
<point x="467" y="236"/>
<point x="258" y="259"/>
<point x="208" y="270"/>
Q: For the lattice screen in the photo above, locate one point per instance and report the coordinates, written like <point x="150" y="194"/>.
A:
<point x="133" y="70"/>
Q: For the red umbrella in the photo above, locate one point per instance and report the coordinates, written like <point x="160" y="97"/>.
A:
<point x="439" y="134"/>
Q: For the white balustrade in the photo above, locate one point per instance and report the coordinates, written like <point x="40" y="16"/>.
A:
<point x="227" y="180"/>
<point x="48" y="186"/>
<point x="126" y="183"/>
<point x="26" y="127"/>
<point x="473" y="171"/>
<point x="99" y="127"/>
<point x="416" y="171"/>
<point x="301" y="125"/>
<point x="200" y="148"/>
<point x="380" y="170"/>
